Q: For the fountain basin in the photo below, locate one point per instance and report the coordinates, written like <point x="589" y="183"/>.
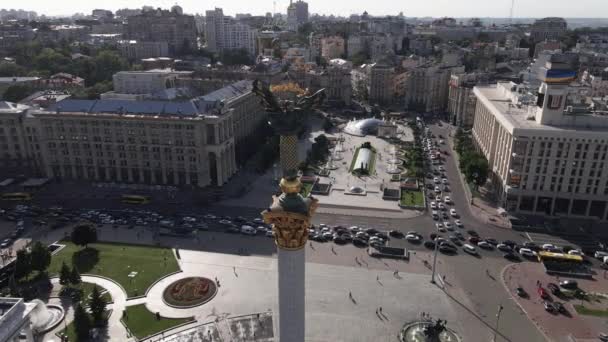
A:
<point x="45" y="317"/>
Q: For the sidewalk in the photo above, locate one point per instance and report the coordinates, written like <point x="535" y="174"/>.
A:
<point x="479" y="208"/>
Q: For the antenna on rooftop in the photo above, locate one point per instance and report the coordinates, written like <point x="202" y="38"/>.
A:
<point x="511" y="12"/>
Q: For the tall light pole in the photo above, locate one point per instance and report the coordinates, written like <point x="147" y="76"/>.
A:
<point x="435" y="258"/>
<point x="497" y="319"/>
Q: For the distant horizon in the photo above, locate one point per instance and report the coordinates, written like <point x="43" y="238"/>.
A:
<point x="497" y="9"/>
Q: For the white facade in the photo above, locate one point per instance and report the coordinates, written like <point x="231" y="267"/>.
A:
<point x="136" y="50"/>
<point x="224" y="32"/>
<point x="15" y="324"/>
<point x="543" y="159"/>
<point x="548" y="29"/>
<point x="145" y="82"/>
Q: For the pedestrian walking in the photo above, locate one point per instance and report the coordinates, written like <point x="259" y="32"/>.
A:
<point x="377" y="278"/>
<point x="443" y="278"/>
<point x="350" y="295"/>
<point x="380" y="310"/>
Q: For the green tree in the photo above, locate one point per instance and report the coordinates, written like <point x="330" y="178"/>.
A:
<point x="476" y="170"/>
<point x="82" y="323"/>
<point x="107" y="63"/>
<point x="23" y="265"/>
<point x="75" y="276"/>
<point x="366" y="144"/>
<point x="52" y="60"/>
<point x="40" y="257"/>
<point x="8" y="69"/>
<point x="98" y="307"/>
<point x="65" y="274"/>
<point x="16" y="93"/>
<point x="83" y="235"/>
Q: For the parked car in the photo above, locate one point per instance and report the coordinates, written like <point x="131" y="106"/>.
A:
<point x="429" y="244"/>
<point x="568" y="284"/>
<point x="484" y="244"/>
<point x="396" y="234"/>
<point x="453" y="212"/>
<point x="511" y="256"/>
<point x="542" y="293"/>
<point x="521" y="292"/>
<point x="553" y="288"/>
<point x="548" y="306"/>
<point x="527" y="252"/>
<point x="469" y="249"/>
<point x="503" y="247"/>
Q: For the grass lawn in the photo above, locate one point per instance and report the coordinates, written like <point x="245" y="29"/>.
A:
<point x="408" y="200"/>
<point x="306" y="188"/>
<point x="582" y="310"/>
<point x="142" y="322"/>
<point x="87" y="288"/>
<point x="116" y="261"/>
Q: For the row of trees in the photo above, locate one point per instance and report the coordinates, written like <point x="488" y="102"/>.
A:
<point x="473" y="164"/>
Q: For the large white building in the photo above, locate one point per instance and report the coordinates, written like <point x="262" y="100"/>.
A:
<point x="224" y="33"/>
<point x="15" y="324"/>
<point x="544" y="157"/>
<point x="184" y="143"/>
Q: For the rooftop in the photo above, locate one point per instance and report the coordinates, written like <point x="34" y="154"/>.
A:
<point x="516" y="111"/>
<point x="10" y="107"/>
<point x="169" y="108"/>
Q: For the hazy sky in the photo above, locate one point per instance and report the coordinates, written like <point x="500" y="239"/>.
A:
<point x="418" y="8"/>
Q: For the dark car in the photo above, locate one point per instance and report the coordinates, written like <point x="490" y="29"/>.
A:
<point x="509" y="243"/>
<point x="396" y="234"/>
<point x="559" y="307"/>
<point x="371" y="231"/>
<point x="381" y="235"/>
<point x="359" y="242"/>
<point x="553" y="288"/>
<point x="429" y="244"/>
<point x="472" y="233"/>
<point x="447" y="248"/>
<point x="340" y="240"/>
<point x="474" y="240"/>
<point x="532" y="246"/>
<point x="521" y="292"/>
<point x="433" y="236"/>
<point x="568" y="284"/>
<point x="492" y="241"/>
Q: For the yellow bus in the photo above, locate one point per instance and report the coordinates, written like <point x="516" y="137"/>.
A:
<point x="135" y="199"/>
<point x="16" y="196"/>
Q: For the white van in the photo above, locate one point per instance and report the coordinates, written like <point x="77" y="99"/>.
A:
<point x="469" y="249"/>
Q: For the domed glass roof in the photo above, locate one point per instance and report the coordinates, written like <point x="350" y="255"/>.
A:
<point x="363" y="127"/>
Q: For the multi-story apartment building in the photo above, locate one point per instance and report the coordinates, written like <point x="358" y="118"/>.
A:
<point x="461" y="100"/>
<point x="151" y="142"/>
<point x="551" y="28"/>
<point x="145" y="82"/>
<point x="11" y="34"/>
<point x="224" y="32"/>
<point x="332" y="47"/>
<point x="246" y="109"/>
<point x="173" y="27"/>
<point x="297" y="14"/>
<point x="544" y="159"/>
<point x="427" y="87"/>
<point x="134" y="50"/>
<point x="335" y="79"/>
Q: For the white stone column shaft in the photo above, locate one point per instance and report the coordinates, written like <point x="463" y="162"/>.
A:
<point x="291" y="295"/>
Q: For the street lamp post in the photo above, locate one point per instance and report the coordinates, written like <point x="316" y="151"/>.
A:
<point x="497" y="319"/>
<point x="435" y="259"/>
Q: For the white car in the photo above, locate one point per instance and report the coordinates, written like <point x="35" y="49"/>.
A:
<point x="439" y="225"/>
<point x="248" y="230"/>
<point x="453" y="212"/>
<point x="600" y="254"/>
<point x="441" y="206"/>
<point x="437" y="190"/>
<point x="469" y="249"/>
<point x="433" y="205"/>
<point x="503" y="247"/>
<point x="269" y="233"/>
<point x="413" y="237"/>
<point x="448" y="225"/>
<point x="438" y="199"/>
<point x="527" y="252"/>
<point x="447" y="200"/>
<point x="575" y="252"/>
<point x="458" y="224"/>
<point x="548" y="246"/>
<point x="436" y="180"/>
<point x="484" y="244"/>
<point x="441" y="168"/>
<point x="435" y="215"/>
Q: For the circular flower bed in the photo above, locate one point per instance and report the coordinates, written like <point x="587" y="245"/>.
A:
<point x="189" y="292"/>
